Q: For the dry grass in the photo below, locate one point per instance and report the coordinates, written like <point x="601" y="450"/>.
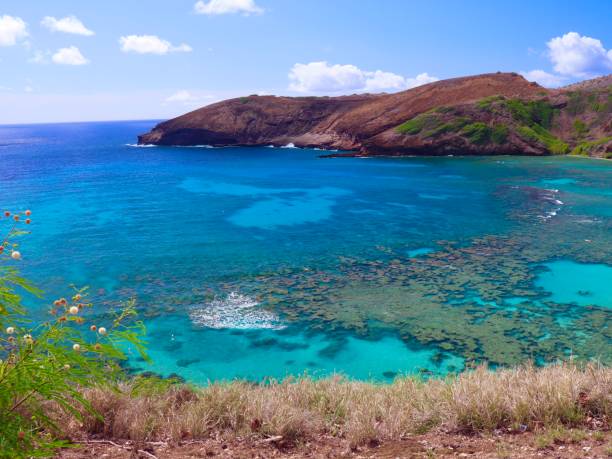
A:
<point x="563" y="395"/>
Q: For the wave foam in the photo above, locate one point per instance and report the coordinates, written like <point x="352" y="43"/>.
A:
<point x="138" y="145"/>
<point x="235" y="311"/>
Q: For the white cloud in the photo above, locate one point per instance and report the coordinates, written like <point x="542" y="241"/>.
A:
<point x="69" y="24"/>
<point x="211" y="7"/>
<point x="188" y="99"/>
<point x="180" y="96"/>
<point x="69" y="56"/>
<point x="320" y="77"/>
<point x="150" y="44"/>
<point x="12" y="29"/>
<point x="546" y="79"/>
<point x="380" y="81"/>
<point x="579" y="56"/>
<point x="420" y="79"/>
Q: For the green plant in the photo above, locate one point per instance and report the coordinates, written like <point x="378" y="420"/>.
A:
<point x="585" y="148"/>
<point x="538" y="134"/>
<point x="499" y="135"/>
<point x="454" y="125"/>
<point x="486" y="102"/>
<point x="531" y="112"/>
<point x="577" y="103"/>
<point x="50" y="363"/>
<point x="425" y="121"/>
<point x="478" y="133"/>
<point x="580" y="128"/>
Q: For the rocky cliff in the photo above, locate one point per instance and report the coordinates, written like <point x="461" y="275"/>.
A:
<point x="499" y="113"/>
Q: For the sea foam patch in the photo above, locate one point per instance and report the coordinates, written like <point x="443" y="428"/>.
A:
<point x="140" y="145"/>
<point x="235" y="311"/>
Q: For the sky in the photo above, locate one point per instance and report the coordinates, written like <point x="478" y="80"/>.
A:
<point x="75" y="60"/>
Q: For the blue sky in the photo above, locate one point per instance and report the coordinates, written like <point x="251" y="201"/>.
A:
<point x="70" y="60"/>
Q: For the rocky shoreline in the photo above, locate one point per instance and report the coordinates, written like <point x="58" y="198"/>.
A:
<point x="489" y="114"/>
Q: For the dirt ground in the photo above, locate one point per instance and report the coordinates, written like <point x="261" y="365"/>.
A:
<point x="431" y="445"/>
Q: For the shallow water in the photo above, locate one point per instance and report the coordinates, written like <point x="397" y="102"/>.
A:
<point x="263" y="262"/>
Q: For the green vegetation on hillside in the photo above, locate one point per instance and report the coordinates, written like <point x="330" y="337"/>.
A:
<point x="535" y="118"/>
<point x="500" y="132"/>
<point x="478" y="133"/>
<point x="425" y="121"/>
<point x="531" y="112"/>
<point x="585" y="148"/>
<point x="537" y="133"/>
<point x="487" y="102"/>
<point x="532" y="120"/>
<point x="580" y="128"/>
<point x="453" y="125"/>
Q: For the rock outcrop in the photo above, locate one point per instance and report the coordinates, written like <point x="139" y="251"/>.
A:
<point x="498" y="113"/>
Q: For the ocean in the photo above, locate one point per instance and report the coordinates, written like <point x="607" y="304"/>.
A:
<point x="259" y="263"/>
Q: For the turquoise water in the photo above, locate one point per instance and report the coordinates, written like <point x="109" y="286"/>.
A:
<point x="584" y="284"/>
<point x="262" y="262"/>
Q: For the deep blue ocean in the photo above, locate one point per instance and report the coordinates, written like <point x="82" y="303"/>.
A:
<point x="265" y="262"/>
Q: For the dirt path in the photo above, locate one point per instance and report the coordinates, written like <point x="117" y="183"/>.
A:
<point x="432" y="445"/>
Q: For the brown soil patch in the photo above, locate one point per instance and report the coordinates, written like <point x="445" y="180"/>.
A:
<point x="431" y="445"/>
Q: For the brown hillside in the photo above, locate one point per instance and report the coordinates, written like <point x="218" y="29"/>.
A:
<point x="370" y="124"/>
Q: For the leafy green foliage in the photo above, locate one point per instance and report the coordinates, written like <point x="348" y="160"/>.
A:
<point x="580" y="128"/>
<point x="478" y="133"/>
<point x="486" y="102"/>
<point x="538" y="134"/>
<point x="585" y="148"/>
<point x="577" y="103"/>
<point x="425" y="121"/>
<point x="535" y="118"/>
<point x="531" y="112"/>
<point x="499" y="134"/>
<point x="454" y="125"/>
<point x="51" y="362"/>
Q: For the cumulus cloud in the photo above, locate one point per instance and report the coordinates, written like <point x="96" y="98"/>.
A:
<point x="12" y="30"/>
<point x="573" y="56"/>
<point x="320" y="77"/>
<point x="543" y="78"/>
<point x="150" y="44"/>
<point x="69" y="56"/>
<point x="579" y="56"/>
<point x="214" y="7"/>
<point x="69" y="24"/>
<point x="420" y="79"/>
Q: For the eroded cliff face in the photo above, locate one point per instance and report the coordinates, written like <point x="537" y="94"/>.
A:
<point x="499" y="113"/>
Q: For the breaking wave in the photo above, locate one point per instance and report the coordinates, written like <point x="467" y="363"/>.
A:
<point x="235" y="311"/>
<point x="137" y="145"/>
